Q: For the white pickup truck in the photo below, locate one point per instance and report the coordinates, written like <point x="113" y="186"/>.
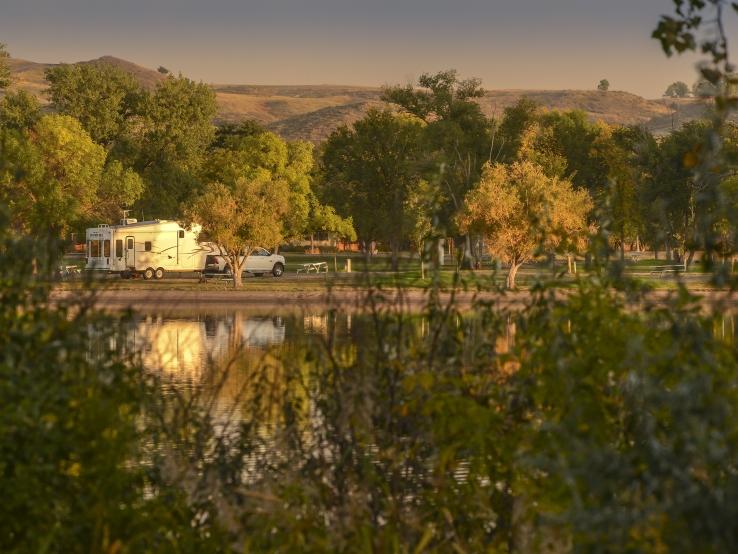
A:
<point x="259" y="262"/>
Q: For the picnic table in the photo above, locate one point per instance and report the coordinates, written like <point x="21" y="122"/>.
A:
<point x="313" y="267"/>
<point x="66" y="272"/>
<point x="216" y="276"/>
<point x="662" y="270"/>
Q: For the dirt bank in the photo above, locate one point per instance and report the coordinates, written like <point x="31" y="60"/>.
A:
<point x="145" y="299"/>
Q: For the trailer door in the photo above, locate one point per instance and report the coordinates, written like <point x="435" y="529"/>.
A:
<point x="130" y="252"/>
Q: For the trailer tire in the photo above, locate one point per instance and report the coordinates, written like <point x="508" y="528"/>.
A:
<point x="148" y="273"/>
<point x="278" y="269"/>
<point x="159" y="273"/>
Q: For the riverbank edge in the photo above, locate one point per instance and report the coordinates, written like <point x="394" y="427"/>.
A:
<point x="353" y="299"/>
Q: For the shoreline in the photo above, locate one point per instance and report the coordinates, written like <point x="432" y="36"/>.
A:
<point x="345" y="299"/>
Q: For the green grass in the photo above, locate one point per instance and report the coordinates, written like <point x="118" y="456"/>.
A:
<point x="376" y="272"/>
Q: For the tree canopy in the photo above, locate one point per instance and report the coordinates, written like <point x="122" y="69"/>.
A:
<point x="241" y="217"/>
<point x="520" y="209"/>
<point x="677" y="89"/>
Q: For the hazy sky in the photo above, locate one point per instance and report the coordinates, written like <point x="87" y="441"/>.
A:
<point x="543" y="44"/>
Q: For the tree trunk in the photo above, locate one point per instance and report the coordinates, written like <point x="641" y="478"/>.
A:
<point x="237" y="269"/>
<point x="512" y="273"/>
<point x="568" y="263"/>
<point x="312" y="243"/>
<point x="237" y="279"/>
<point x="395" y="255"/>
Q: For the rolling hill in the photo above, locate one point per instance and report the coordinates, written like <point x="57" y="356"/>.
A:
<point x="312" y="112"/>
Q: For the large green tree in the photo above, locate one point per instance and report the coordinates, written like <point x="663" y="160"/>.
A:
<point x="241" y="217"/>
<point x="458" y="135"/>
<point x="172" y="143"/>
<point x="247" y="151"/>
<point x="368" y="170"/>
<point x="105" y="99"/>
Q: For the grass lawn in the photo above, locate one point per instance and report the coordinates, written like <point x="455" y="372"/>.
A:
<point x="377" y="272"/>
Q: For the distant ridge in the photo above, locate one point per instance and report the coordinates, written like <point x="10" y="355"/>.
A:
<point x="148" y="78"/>
<point x="312" y="112"/>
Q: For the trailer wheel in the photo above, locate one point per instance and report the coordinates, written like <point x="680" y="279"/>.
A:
<point x="148" y="273"/>
<point x="159" y="273"/>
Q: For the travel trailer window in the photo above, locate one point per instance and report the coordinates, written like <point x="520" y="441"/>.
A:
<point x="130" y="244"/>
<point x="119" y="248"/>
<point x="94" y="249"/>
<point x="181" y="234"/>
<point x="147" y="246"/>
<point x="106" y="248"/>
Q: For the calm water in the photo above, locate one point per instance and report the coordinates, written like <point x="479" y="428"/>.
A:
<point x="191" y="351"/>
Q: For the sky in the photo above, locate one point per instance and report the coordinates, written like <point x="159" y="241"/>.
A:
<point x="509" y="44"/>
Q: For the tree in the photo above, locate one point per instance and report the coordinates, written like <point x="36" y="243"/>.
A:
<point x="172" y="143"/>
<point x="458" y="137"/>
<point x="248" y="150"/>
<point x="702" y="88"/>
<point x="521" y="210"/>
<point x="104" y="98"/>
<point x="324" y="219"/>
<point x="677" y="89"/>
<point x="120" y="188"/>
<point x="19" y="110"/>
<point x="6" y="77"/>
<point x="603" y="85"/>
<point x="422" y="203"/>
<point x="367" y="172"/>
<point x="72" y="167"/>
<point x="56" y="178"/>
<point x="240" y="218"/>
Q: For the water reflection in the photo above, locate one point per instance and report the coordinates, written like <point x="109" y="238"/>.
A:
<point x="183" y="345"/>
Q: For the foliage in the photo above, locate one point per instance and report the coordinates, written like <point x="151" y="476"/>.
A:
<point x="678" y="89"/>
<point x="120" y="187"/>
<point x="73" y="444"/>
<point x="102" y="97"/>
<point x="368" y="171"/>
<point x="19" y="110"/>
<point x="241" y="217"/>
<point x="703" y="88"/>
<point x="174" y="138"/>
<point x="603" y="85"/>
<point x="72" y="166"/>
<point x="247" y="150"/>
<point x="421" y="203"/>
<point x="5" y="74"/>
<point x="458" y="136"/>
<point x="521" y="210"/>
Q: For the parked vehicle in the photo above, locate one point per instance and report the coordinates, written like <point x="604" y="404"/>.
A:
<point x="146" y="248"/>
<point x="259" y="262"/>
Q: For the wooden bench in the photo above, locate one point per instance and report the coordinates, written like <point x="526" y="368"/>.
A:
<point x="662" y="270"/>
<point x="313" y="267"/>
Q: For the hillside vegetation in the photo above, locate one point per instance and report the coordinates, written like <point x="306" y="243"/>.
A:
<point x="312" y="112"/>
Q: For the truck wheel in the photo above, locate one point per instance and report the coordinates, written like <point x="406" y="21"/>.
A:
<point x="159" y="273"/>
<point x="278" y="270"/>
<point x="148" y="273"/>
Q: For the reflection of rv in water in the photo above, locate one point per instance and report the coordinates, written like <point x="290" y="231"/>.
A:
<point x="147" y="248"/>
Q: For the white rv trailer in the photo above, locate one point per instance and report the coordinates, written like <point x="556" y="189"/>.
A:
<point x="147" y="248"/>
